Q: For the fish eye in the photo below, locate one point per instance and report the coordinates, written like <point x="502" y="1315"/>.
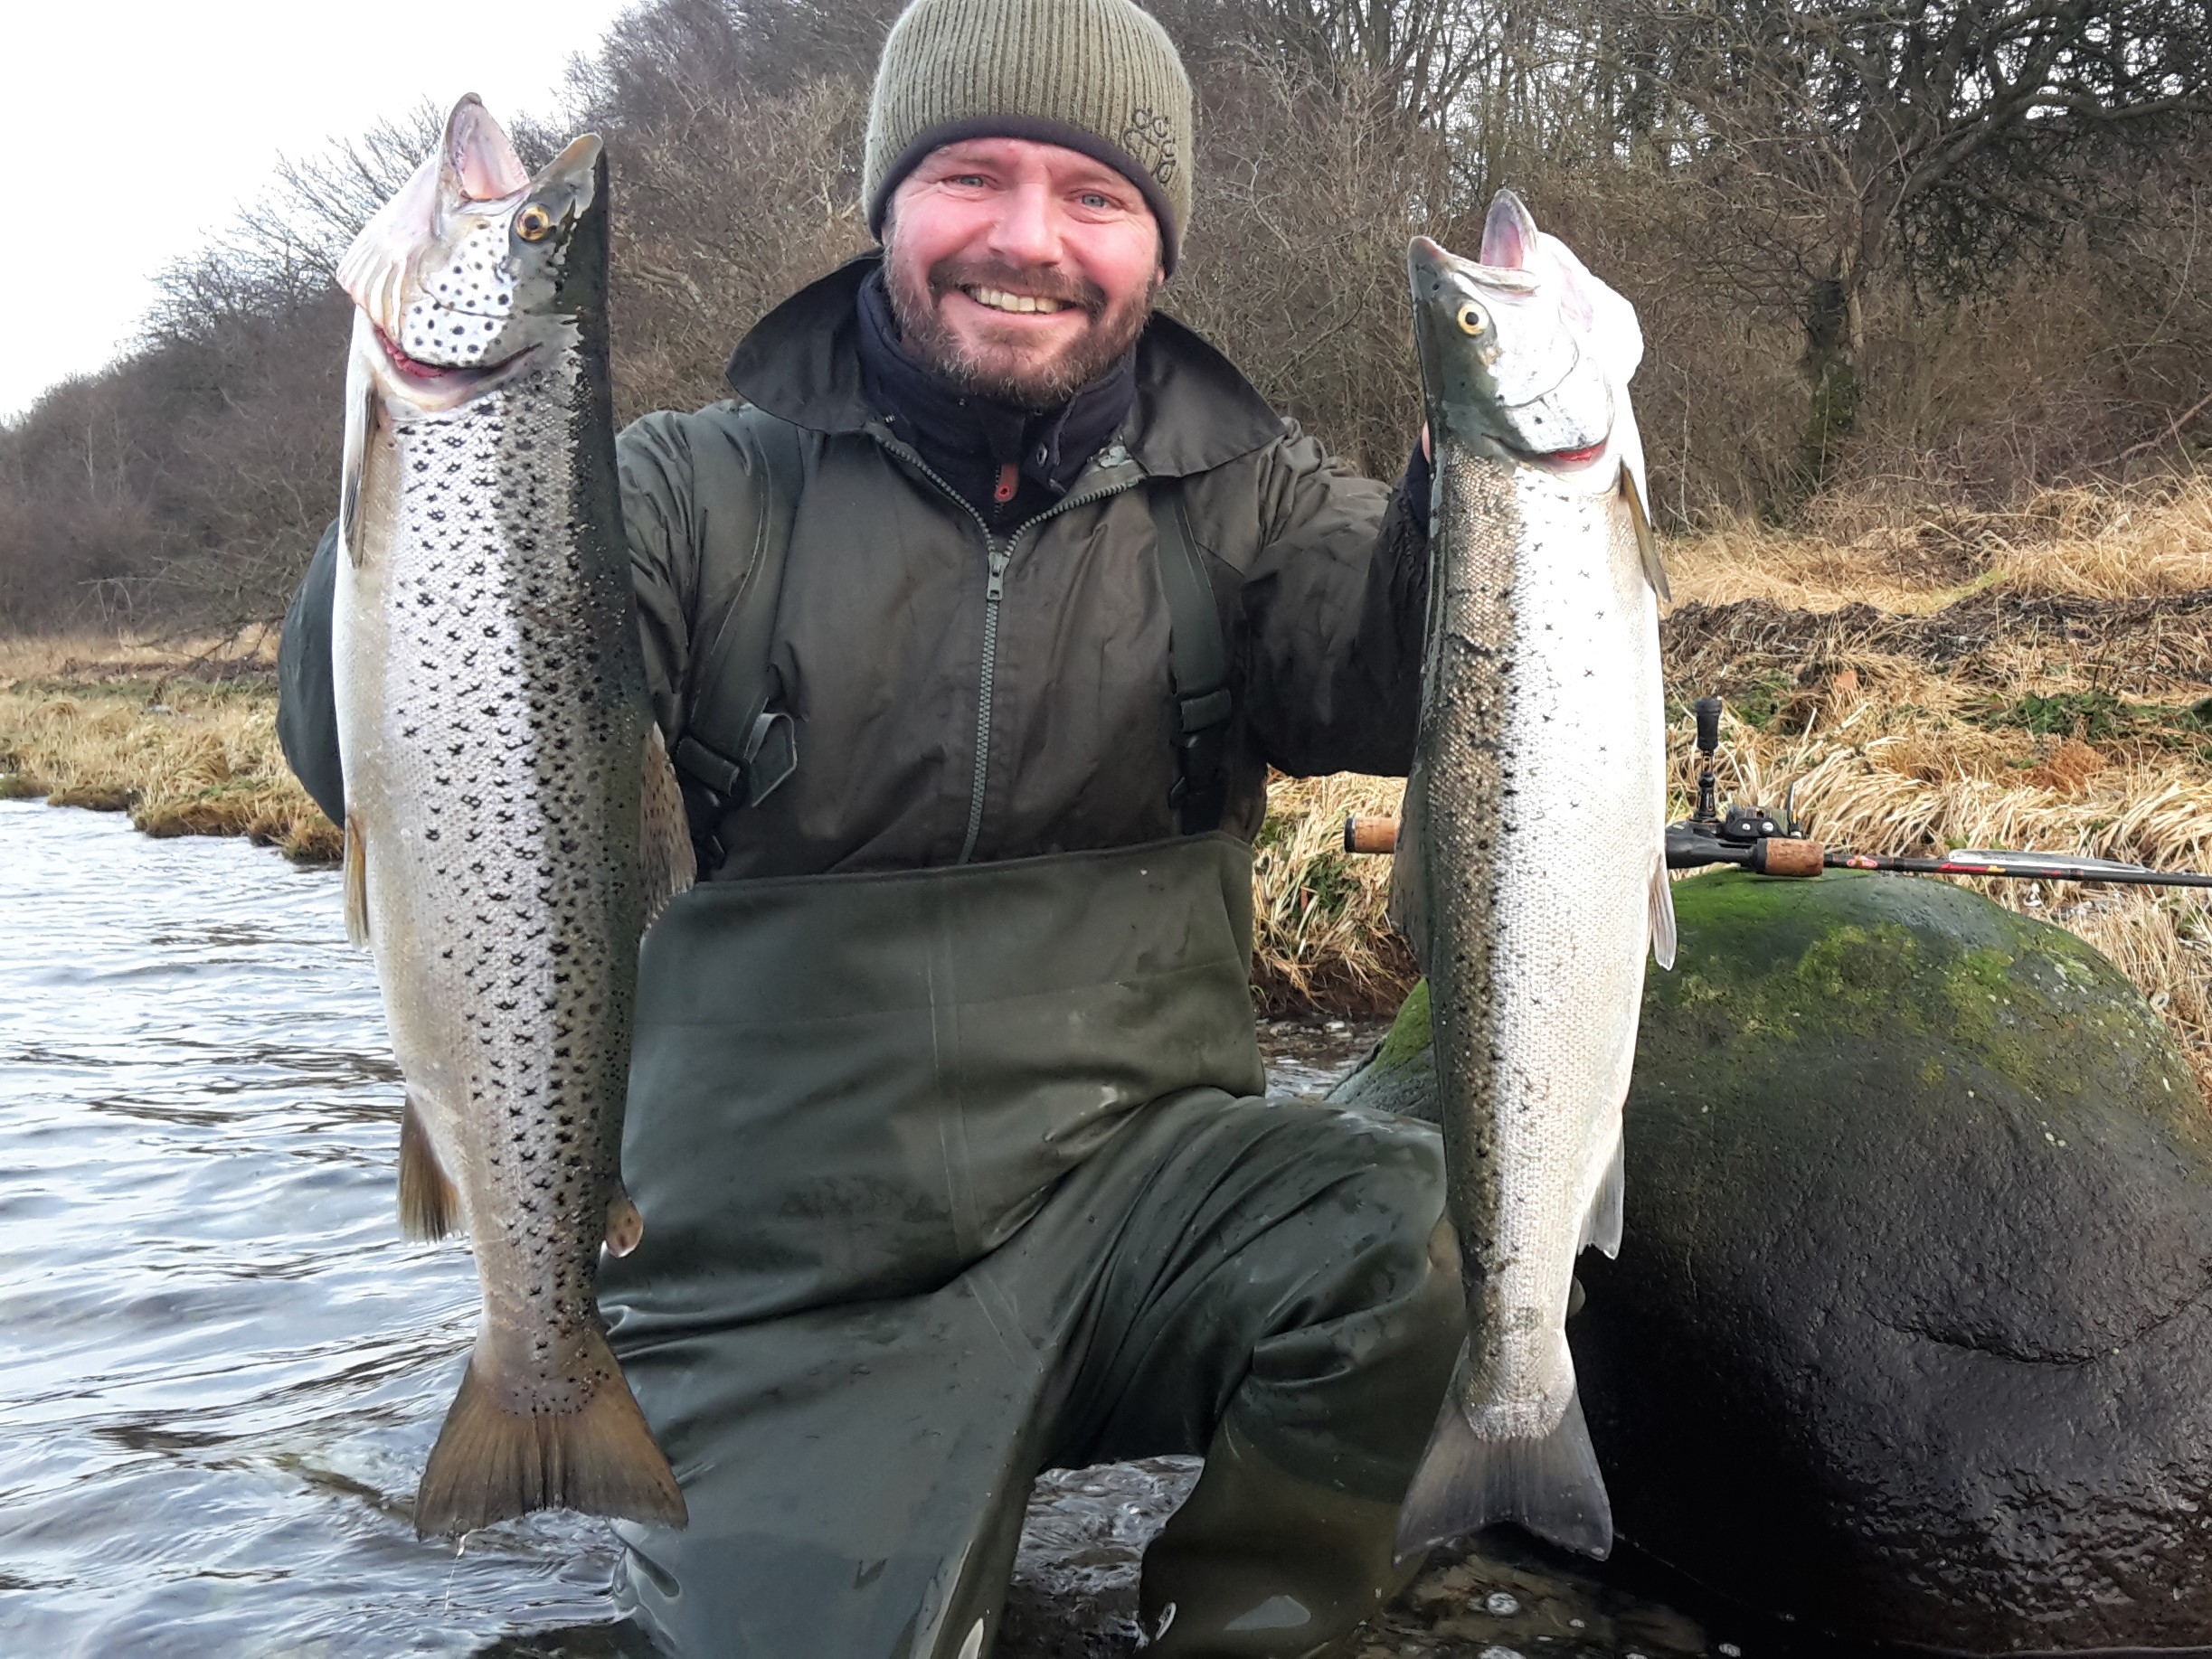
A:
<point x="534" y="223"/>
<point x="1471" y="320"/>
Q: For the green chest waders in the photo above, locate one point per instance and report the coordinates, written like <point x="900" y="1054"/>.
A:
<point x="952" y="1175"/>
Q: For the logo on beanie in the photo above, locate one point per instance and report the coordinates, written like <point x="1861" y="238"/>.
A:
<point x="1151" y="140"/>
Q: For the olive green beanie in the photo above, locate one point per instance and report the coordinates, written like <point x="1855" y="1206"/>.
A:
<point x="1098" y="76"/>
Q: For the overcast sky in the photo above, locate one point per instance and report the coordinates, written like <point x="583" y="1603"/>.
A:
<point x="135" y="129"/>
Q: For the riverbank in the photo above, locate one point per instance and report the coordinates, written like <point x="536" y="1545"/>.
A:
<point x="1928" y="678"/>
<point x="182" y="736"/>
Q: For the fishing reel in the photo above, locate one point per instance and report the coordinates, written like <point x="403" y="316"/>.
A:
<point x="1758" y="839"/>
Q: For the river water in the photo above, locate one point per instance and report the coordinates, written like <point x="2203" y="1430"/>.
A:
<point x="220" y="1367"/>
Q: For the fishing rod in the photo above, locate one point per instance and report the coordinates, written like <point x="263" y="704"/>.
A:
<point x="1778" y="844"/>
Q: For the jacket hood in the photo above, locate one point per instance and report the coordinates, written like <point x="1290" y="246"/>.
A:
<point x="1194" y="412"/>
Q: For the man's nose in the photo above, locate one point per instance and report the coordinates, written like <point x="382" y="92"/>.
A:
<point x="1027" y="231"/>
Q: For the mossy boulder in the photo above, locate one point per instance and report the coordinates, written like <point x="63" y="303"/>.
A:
<point x="1910" y="1336"/>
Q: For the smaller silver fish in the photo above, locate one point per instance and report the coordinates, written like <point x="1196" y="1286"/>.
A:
<point x="1531" y="874"/>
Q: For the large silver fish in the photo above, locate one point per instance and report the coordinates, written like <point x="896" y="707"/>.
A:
<point x="511" y="818"/>
<point x="1531" y="873"/>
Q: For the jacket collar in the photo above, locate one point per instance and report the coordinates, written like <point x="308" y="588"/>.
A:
<point x="1193" y="411"/>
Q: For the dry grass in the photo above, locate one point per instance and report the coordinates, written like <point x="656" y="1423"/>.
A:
<point x="182" y="736"/>
<point x="2051" y="696"/>
<point x="2148" y="540"/>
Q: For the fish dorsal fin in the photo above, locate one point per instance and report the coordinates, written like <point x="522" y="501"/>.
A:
<point x="1409" y="898"/>
<point x="1662" y="914"/>
<point x="666" y="865"/>
<point x="1601" y="1226"/>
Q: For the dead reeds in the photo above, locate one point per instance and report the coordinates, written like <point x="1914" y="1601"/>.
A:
<point x="182" y="737"/>
<point x="2051" y="697"/>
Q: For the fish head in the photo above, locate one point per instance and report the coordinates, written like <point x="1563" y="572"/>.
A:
<point x="475" y="265"/>
<point x="1522" y="350"/>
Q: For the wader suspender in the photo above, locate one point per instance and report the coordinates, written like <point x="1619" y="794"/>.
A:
<point x="1199" y="666"/>
<point x="735" y="750"/>
<point x="748" y="749"/>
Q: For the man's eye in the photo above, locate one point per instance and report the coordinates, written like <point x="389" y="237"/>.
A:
<point x="969" y="178"/>
<point x="1091" y="198"/>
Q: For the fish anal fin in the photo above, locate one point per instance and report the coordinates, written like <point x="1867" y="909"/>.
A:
<point x="1550" y="1486"/>
<point x="429" y="1204"/>
<point x="1601" y="1226"/>
<point x="1662" y="914"/>
<point x="1409" y="893"/>
<point x="1647" y="538"/>
<point x="491" y="1463"/>
<point x="356" y="882"/>
<point x="625" y="1224"/>
<point x="666" y="865"/>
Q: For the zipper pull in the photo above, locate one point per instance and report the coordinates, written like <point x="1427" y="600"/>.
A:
<point x="1000" y="559"/>
<point x="1010" y="481"/>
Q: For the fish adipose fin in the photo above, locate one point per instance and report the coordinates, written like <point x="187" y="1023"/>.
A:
<point x="1550" y="1486"/>
<point x="1662" y="914"/>
<point x="491" y="1463"/>
<point x="356" y="883"/>
<point x="1647" y="538"/>
<point x="666" y="861"/>
<point x="1409" y="896"/>
<point x="430" y="1206"/>
<point x="1601" y="1226"/>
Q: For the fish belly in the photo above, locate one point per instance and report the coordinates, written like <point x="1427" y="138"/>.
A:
<point x="1586" y="800"/>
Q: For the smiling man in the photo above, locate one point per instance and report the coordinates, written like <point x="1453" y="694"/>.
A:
<point x="975" y="624"/>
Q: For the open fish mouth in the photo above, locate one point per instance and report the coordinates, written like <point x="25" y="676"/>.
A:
<point x="441" y="377"/>
<point x="1564" y="460"/>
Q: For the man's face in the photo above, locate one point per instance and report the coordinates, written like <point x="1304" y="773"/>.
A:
<point x="1020" y="271"/>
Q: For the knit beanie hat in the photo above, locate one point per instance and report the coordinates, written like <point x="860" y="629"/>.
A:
<point x="1097" y="76"/>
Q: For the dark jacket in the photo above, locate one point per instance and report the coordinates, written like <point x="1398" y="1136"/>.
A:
<point x="1320" y="576"/>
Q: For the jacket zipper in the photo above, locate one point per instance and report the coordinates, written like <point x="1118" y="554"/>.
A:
<point x="1000" y="554"/>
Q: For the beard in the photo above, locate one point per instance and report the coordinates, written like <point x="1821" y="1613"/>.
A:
<point x="1001" y="370"/>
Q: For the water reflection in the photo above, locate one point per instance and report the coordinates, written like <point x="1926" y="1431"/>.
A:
<point x="219" y="1367"/>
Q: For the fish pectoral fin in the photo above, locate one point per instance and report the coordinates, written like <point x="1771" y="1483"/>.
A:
<point x="1601" y="1226"/>
<point x="353" y="464"/>
<point x="1409" y="896"/>
<point x="356" y="882"/>
<point x="429" y="1203"/>
<point x="1647" y="538"/>
<point x="1662" y="914"/>
<point x="625" y="1223"/>
<point x="491" y="1463"/>
<point x="666" y="861"/>
<point x="1548" y="1486"/>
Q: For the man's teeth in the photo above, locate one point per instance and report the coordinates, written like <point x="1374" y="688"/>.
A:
<point x="999" y="299"/>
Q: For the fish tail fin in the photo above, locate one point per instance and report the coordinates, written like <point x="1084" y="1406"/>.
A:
<point x="491" y="1463"/>
<point x="1547" y="1486"/>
